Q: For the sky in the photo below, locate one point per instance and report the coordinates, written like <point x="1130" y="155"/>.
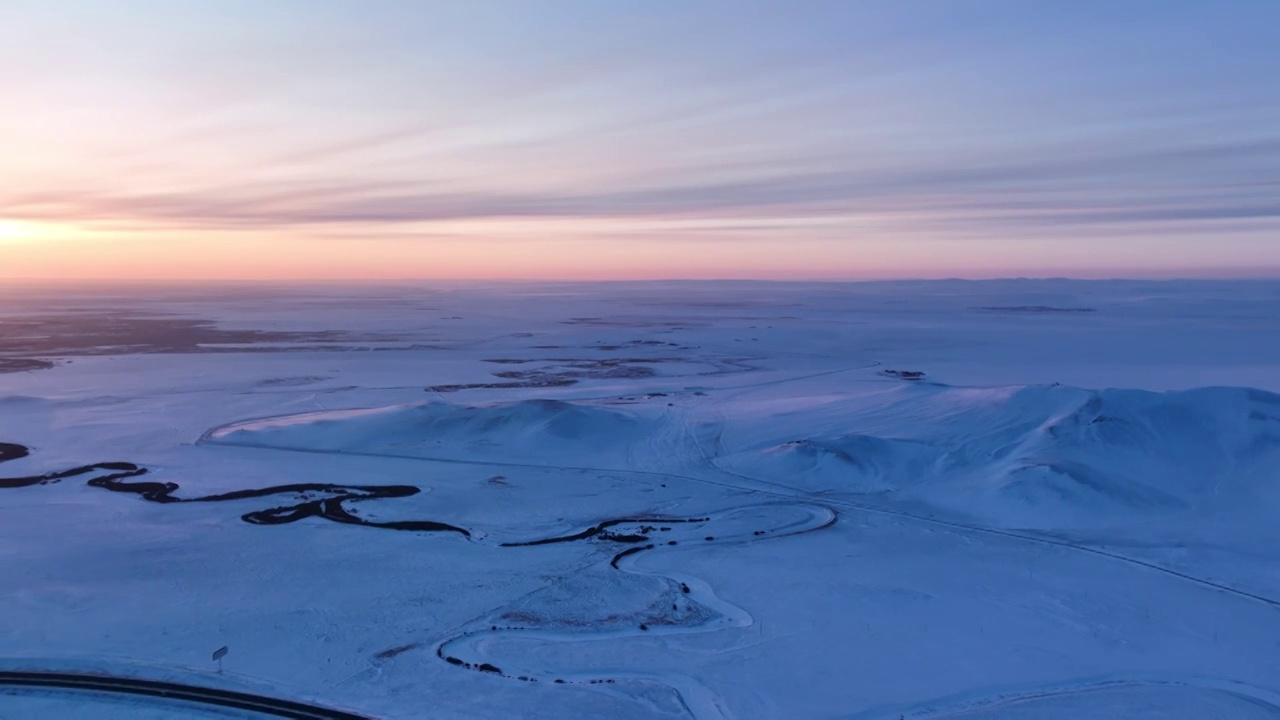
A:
<point x="635" y="139"/>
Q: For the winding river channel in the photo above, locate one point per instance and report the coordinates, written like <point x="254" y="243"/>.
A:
<point x="633" y="536"/>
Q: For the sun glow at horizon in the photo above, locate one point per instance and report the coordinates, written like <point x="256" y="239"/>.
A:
<point x="21" y="230"/>
<point x="844" y="140"/>
<point x="25" y="232"/>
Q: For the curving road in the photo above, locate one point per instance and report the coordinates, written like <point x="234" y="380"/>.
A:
<point x="213" y="697"/>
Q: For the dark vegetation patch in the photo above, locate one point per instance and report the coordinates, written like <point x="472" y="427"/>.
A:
<point x="1034" y="309"/>
<point x="116" y="333"/>
<point x="12" y="451"/>
<point x="602" y="528"/>
<point x="613" y="371"/>
<point x="562" y="372"/>
<point x="521" y="616"/>
<point x="632" y="344"/>
<point x="12" y="365"/>
<point x="547" y="382"/>
<point x="912" y="375"/>
<point x="397" y="650"/>
<point x="627" y="323"/>
<point x="292" y="381"/>
<point x="629" y="551"/>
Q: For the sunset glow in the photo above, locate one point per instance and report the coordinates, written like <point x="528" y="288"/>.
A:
<point x="16" y="231"/>
<point x="653" y="359"/>
<point x="854" y="140"/>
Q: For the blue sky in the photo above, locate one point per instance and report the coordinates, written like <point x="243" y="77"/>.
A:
<point x="640" y="139"/>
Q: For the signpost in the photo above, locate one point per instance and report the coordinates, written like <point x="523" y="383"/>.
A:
<point x="219" y="654"/>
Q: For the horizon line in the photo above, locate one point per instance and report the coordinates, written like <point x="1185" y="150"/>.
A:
<point x="1274" y="277"/>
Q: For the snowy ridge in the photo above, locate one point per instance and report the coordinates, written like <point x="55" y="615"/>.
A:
<point x="528" y="429"/>
<point x="1040" y="456"/>
<point x="1037" y="456"/>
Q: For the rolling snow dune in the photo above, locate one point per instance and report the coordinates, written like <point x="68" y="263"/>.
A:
<point x="524" y="430"/>
<point x="1036" y="456"/>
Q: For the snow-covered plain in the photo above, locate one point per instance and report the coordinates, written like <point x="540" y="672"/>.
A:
<point x="652" y="500"/>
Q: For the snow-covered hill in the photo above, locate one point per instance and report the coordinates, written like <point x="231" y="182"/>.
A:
<point x="1035" y="456"/>
<point x="526" y="430"/>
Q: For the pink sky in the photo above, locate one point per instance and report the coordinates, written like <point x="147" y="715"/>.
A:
<point x="848" y="140"/>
